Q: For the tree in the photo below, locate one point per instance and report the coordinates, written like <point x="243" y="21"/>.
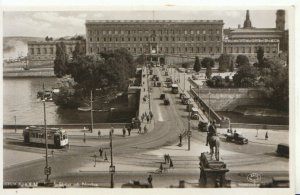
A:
<point x="61" y="60"/>
<point x="231" y="67"/>
<point x="242" y="60"/>
<point x="225" y="61"/>
<point x="260" y="56"/>
<point x="47" y="38"/>
<point x="245" y="76"/>
<point x="208" y="72"/>
<point x="276" y="84"/>
<point x="207" y="62"/>
<point x="140" y="60"/>
<point x="197" y="65"/>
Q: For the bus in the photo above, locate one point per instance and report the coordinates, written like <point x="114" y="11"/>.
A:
<point x="56" y="136"/>
<point x="174" y="88"/>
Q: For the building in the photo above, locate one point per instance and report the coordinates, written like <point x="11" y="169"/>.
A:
<point x="246" y="40"/>
<point x="160" y="40"/>
<point x="42" y="53"/>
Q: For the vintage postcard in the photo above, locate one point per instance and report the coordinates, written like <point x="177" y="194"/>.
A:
<point x="161" y="98"/>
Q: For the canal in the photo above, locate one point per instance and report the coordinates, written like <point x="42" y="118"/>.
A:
<point x="19" y="99"/>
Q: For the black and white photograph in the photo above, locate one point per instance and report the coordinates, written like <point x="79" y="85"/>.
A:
<point x="148" y="98"/>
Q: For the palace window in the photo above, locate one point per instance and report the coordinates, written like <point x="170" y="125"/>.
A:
<point x="128" y="38"/>
<point x="122" y="32"/>
<point x="141" y="39"/>
<point x="116" y="39"/>
<point x="91" y="49"/>
<point x="109" y="32"/>
<point x="116" y="32"/>
<point x="45" y="50"/>
<point x="192" y="49"/>
<point x="185" y="38"/>
<point x="98" y="48"/>
<point x="110" y="39"/>
<point x="167" y="38"/>
<point x="192" y="38"/>
<point x="185" y="32"/>
<point x="51" y="50"/>
<point x="38" y="51"/>
<point x="243" y="49"/>
<point x="160" y="38"/>
<point x="134" y="50"/>
<point x="128" y="32"/>
<point x="218" y="49"/>
<point x="192" y="32"/>
<point x="32" y="51"/>
<point x="204" y="49"/>
<point x="91" y="39"/>
<point x="97" y="39"/>
<point x="147" y="39"/>
<point x="210" y="49"/>
<point x="198" y="32"/>
<point x="185" y="49"/>
<point x="204" y="32"/>
<point x="104" y="39"/>
<point x="122" y="38"/>
<point x="204" y="38"/>
<point x="134" y="38"/>
<point x="173" y="38"/>
<point x="198" y="49"/>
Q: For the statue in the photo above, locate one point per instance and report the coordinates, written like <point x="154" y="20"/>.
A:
<point x="213" y="140"/>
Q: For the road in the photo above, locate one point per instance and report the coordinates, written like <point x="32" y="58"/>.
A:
<point x="140" y="155"/>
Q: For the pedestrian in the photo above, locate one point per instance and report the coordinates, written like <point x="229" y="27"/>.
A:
<point x="165" y="157"/>
<point x="150" y="179"/>
<point x="266" y="136"/>
<point x="99" y="134"/>
<point x="168" y="158"/>
<point x="105" y="156"/>
<point x="129" y="130"/>
<point x="148" y="119"/>
<point x="180" y="140"/>
<point x="140" y="129"/>
<point x="95" y="160"/>
<point x="124" y="131"/>
<point x="171" y="163"/>
<point x="84" y="137"/>
<point x="142" y="117"/>
<point x="52" y="152"/>
<point x="161" y="167"/>
<point x="145" y="129"/>
<point x="100" y="152"/>
<point x="112" y="130"/>
<point x="151" y="115"/>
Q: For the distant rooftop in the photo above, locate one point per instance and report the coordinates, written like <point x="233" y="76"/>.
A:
<point x="253" y="30"/>
<point x="251" y="40"/>
<point x="153" y="21"/>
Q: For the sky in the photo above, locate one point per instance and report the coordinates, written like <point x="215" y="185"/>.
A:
<point x="69" y="23"/>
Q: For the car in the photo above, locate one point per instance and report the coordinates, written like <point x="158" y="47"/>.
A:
<point x="202" y="126"/>
<point x="277" y="182"/>
<point x="195" y="114"/>
<point x="189" y="107"/>
<point x="166" y="101"/>
<point x="162" y="96"/>
<point x="185" y="100"/>
<point x="283" y="150"/>
<point x="236" y="138"/>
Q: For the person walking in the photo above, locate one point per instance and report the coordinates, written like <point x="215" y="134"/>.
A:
<point x="150" y="179"/>
<point x="99" y="134"/>
<point x="124" y="131"/>
<point x="140" y="129"/>
<point x="112" y="130"/>
<point x="129" y="130"/>
<point x="148" y="119"/>
<point x="266" y="136"/>
<point x="105" y="156"/>
<point x="151" y="115"/>
<point x="171" y="163"/>
<point x="100" y="152"/>
<point x="142" y="117"/>
<point x="145" y="129"/>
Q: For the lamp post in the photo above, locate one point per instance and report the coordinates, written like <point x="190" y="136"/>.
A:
<point x="184" y="83"/>
<point x="47" y="169"/>
<point x="15" y="124"/>
<point x="209" y="105"/>
<point x="189" y="129"/>
<point x="92" y="117"/>
<point x="112" y="167"/>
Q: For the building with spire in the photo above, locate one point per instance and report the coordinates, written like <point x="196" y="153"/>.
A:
<point x="246" y="40"/>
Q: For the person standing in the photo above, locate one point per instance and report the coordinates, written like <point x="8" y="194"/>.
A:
<point x="145" y="129"/>
<point x="212" y="131"/>
<point x="124" y="131"/>
<point x="99" y="134"/>
<point x="129" y="130"/>
<point x="266" y="136"/>
<point x="101" y="152"/>
<point x="148" y="119"/>
<point x="150" y="179"/>
<point x="112" y="130"/>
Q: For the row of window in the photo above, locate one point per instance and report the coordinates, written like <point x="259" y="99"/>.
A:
<point x="142" y="32"/>
<point x="248" y="49"/>
<point x="121" y="39"/>
<point x="47" y="50"/>
<point x="162" y="49"/>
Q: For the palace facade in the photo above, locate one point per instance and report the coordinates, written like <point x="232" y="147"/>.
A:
<point x="161" y="40"/>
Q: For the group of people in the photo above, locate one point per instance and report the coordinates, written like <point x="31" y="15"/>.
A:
<point x="147" y="117"/>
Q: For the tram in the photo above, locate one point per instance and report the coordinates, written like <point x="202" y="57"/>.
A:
<point x="174" y="88"/>
<point x="56" y="136"/>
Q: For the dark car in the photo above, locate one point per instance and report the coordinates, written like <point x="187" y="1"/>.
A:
<point x="202" y="125"/>
<point x="167" y="101"/>
<point x="283" y="150"/>
<point x="162" y="96"/>
<point x="236" y="138"/>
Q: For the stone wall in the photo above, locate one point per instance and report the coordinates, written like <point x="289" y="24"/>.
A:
<point x="229" y="99"/>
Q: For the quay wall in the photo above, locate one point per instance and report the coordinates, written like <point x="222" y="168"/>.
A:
<point x="28" y="73"/>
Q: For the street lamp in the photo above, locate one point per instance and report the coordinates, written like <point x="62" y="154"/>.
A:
<point x="47" y="169"/>
<point x="189" y="128"/>
<point x="92" y="117"/>
<point x="209" y="104"/>
<point x="112" y="167"/>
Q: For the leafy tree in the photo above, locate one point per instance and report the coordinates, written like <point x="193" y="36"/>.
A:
<point x="260" y="56"/>
<point x="47" y="38"/>
<point x="61" y="60"/>
<point x="242" y="60"/>
<point x="207" y="62"/>
<point x="208" y="72"/>
<point x="140" y="60"/>
<point x="245" y="76"/>
<point x="276" y="84"/>
<point x="225" y="61"/>
<point x="197" y="65"/>
<point x="231" y="67"/>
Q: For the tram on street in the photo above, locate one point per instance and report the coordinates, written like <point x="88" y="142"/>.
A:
<point x="174" y="88"/>
<point x="56" y="136"/>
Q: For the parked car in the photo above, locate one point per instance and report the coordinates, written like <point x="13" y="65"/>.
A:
<point x="195" y="115"/>
<point x="236" y="138"/>
<point x="283" y="150"/>
<point x="185" y="100"/>
<point x="136" y="184"/>
<point x="189" y="107"/>
<point x="202" y="125"/>
<point x="277" y="182"/>
<point x="162" y="96"/>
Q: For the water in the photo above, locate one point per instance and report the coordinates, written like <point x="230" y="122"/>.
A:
<point x="240" y="118"/>
<point x="19" y="99"/>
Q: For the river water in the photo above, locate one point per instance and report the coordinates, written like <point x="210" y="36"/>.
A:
<point x="19" y="99"/>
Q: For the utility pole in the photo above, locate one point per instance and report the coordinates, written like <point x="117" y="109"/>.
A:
<point x="47" y="169"/>
<point x="184" y="83"/>
<point x="112" y="167"/>
<point x="92" y="117"/>
<point x="15" y="124"/>
<point x="209" y="105"/>
<point x="189" y="130"/>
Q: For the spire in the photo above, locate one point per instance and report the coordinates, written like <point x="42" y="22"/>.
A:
<point x="247" y="23"/>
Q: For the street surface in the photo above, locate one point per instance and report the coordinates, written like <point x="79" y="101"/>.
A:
<point x="139" y="155"/>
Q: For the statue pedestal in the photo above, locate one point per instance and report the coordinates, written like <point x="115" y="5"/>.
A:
<point x="212" y="172"/>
